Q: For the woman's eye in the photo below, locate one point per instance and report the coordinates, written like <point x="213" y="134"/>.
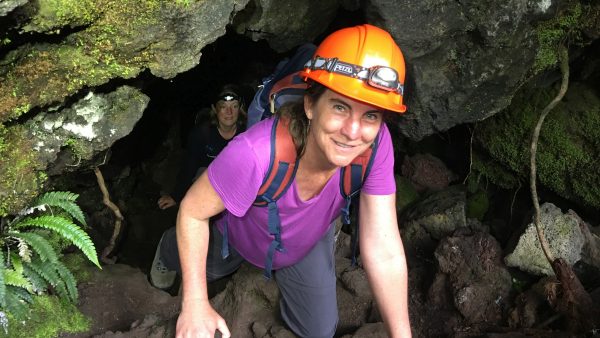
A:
<point x="339" y="107"/>
<point x="373" y="116"/>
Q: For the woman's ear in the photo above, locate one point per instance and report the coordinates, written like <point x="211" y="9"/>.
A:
<point x="308" y="107"/>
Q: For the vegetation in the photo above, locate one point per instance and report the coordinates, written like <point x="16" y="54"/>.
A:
<point x="20" y="178"/>
<point x="30" y="258"/>
<point x="568" y="146"/>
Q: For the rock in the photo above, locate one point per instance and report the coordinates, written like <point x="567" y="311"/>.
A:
<point x="6" y="6"/>
<point x="479" y="281"/>
<point x="119" y="296"/>
<point x="89" y="126"/>
<point x="286" y="23"/>
<point x="370" y="330"/>
<point x="564" y="237"/>
<point x="427" y="172"/>
<point x="436" y="216"/>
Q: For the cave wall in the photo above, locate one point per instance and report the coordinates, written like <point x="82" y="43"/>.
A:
<point x="466" y="60"/>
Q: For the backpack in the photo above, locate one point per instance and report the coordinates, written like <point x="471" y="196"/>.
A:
<point x="283" y="86"/>
<point x="283" y="164"/>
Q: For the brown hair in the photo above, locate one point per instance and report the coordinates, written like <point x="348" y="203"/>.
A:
<point x="299" y="123"/>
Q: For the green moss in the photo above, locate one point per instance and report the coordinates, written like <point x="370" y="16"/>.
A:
<point x="568" y="147"/>
<point x="20" y="178"/>
<point x="405" y="193"/>
<point x="48" y="318"/>
<point x="52" y="15"/>
<point x="477" y="205"/>
<point x="79" y="265"/>
<point x="109" y="48"/>
<point x="565" y="28"/>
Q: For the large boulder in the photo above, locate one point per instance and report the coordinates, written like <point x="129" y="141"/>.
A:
<point x="564" y="236"/>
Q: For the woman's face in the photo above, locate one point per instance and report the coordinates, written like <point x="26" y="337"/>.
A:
<point x="227" y="112"/>
<point x="341" y="127"/>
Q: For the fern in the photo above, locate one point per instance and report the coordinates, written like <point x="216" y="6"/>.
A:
<point x="24" y="250"/>
<point x="66" y="229"/>
<point x="12" y="277"/>
<point x="64" y="200"/>
<point x="37" y="281"/>
<point x="16" y="303"/>
<point x="46" y="271"/>
<point x="30" y="251"/>
<point x="38" y="243"/>
<point x="69" y="281"/>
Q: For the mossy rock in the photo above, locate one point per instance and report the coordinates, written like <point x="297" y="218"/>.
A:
<point x="568" y="148"/>
<point x="49" y="317"/>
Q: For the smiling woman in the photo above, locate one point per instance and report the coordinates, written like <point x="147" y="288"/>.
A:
<point x="205" y="142"/>
<point x="355" y="77"/>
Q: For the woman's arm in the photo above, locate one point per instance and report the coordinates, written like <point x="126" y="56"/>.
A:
<point x="384" y="261"/>
<point x="197" y="317"/>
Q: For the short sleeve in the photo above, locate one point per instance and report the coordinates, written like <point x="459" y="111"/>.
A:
<point x="236" y="175"/>
<point x="381" y="177"/>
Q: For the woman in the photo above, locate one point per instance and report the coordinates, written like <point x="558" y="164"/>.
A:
<point x="206" y="141"/>
<point x="341" y="116"/>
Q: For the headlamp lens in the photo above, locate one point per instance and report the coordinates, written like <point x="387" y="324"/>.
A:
<point x="229" y="97"/>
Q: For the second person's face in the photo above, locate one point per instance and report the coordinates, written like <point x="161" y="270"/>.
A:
<point x="227" y="112"/>
<point x="341" y="128"/>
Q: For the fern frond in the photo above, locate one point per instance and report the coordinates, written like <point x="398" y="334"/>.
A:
<point x="21" y="293"/>
<point x="12" y="277"/>
<point x="64" y="200"/>
<point x="69" y="280"/>
<point x="16" y="262"/>
<point x="47" y="271"/>
<point x="38" y="282"/>
<point x="24" y="251"/>
<point x="68" y="230"/>
<point x="15" y="304"/>
<point x="38" y="243"/>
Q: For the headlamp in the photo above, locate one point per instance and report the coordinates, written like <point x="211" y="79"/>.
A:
<point x="380" y="77"/>
<point x="229" y="97"/>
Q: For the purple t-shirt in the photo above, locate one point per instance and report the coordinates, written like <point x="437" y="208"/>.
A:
<point x="237" y="174"/>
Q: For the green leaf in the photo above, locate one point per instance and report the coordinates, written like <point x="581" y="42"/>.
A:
<point x="64" y="200"/>
<point x="16" y="304"/>
<point x="47" y="272"/>
<point x="12" y="277"/>
<point x="17" y="263"/>
<point x="37" y="281"/>
<point x="69" y="279"/>
<point x="66" y="229"/>
<point x="38" y="243"/>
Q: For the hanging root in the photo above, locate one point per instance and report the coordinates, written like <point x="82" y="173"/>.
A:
<point x="118" y="219"/>
<point x="572" y="301"/>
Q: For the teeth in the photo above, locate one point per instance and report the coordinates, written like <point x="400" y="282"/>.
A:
<point x="343" y="145"/>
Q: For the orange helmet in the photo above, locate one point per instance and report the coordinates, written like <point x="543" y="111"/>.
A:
<point x="361" y="62"/>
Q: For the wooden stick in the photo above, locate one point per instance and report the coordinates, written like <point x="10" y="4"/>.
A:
<point x="118" y="219"/>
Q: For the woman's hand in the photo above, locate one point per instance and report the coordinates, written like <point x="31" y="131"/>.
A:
<point x="199" y="319"/>
<point x="166" y="201"/>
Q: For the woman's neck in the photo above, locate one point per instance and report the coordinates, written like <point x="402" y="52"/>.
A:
<point x="227" y="131"/>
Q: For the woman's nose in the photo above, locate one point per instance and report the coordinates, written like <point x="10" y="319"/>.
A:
<point x="351" y="128"/>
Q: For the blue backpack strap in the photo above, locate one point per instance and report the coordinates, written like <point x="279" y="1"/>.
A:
<point x="352" y="177"/>
<point x="282" y="169"/>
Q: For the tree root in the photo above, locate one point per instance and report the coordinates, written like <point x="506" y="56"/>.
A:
<point x="570" y="298"/>
<point x="118" y="219"/>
